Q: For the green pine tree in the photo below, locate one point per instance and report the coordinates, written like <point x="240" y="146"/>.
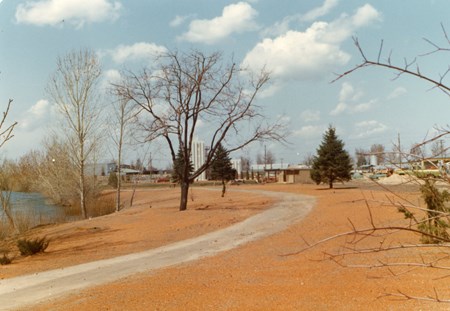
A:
<point x="332" y="162"/>
<point x="221" y="168"/>
<point x="178" y="166"/>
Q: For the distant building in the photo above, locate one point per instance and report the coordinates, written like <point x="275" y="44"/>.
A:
<point x="296" y="174"/>
<point x="282" y="173"/>
<point x="236" y="164"/>
<point x="198" y="157"/>
<point x="100" y="169"/>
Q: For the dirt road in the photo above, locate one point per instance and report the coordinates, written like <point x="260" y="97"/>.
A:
<point x="29" y="289"/>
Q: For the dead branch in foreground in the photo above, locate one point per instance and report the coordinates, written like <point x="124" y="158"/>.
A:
<point x="434" y="227"/>
<point x="6" y="133"/>
<point x="438" y="252"/>
<point x="405" y="296"/>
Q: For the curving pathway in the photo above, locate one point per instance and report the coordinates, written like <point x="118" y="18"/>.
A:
<point x="29" y="289"/>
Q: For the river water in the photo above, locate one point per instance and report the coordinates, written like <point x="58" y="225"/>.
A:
<point x="34" y="206"/>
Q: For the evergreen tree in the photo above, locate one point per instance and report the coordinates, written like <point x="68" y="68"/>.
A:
<point x="113" y="180"/>
<point x="221" y="168"/>
<point x="178" y="166"/>
<point x="332" y="162"/>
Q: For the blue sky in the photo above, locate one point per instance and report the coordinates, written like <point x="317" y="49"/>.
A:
<point x="303" y="43"/>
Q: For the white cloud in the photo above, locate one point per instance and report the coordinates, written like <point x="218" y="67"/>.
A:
<point x="310" y="115"/>
<point x="363" y="107"/>
<point x="365" y="15"/>
<point x="279" y="28"/>
<point x="349" y="101"/>
<point x="297" y="55"/>
<point x="369" y="128"/>
<point x="36" y="116"/>
<point x="340" y="108"/>
<point x="282" y="27"/>
<point x="310" y="54"/>
<point x="112" y="75"/>
<point x="399" y="91"/>
<point x="237" y="17"/>
<point x="326" y="7"/>
<point x="76" y="12"/>
<point x="137" y="51"/>
<point x="309" y="131"/>
<point x="179" y="20"/>
<point x="348" y="93"/>
<point x="284" y="119"/>
<point x="269" y="90"/>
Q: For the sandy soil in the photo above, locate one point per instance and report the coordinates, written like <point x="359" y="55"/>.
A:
<point x="256" y="276"/>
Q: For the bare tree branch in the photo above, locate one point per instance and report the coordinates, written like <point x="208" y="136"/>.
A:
<point x="6" y="133"/>
<point x="187" y="90"/>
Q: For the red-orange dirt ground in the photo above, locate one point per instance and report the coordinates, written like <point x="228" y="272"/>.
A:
<point x="258" y="275"/>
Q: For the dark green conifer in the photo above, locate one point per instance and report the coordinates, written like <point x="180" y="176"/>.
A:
<point x="178" y="166"/>
<point x="332" y="163"/>
<point x="221" y="168"/>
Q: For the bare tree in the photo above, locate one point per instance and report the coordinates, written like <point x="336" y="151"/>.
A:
<point x="57" y="174"/>
<point x="124" y="114"/>
<point x="245" y="167"/>
<point x="270" y="157"/>
<point x="378" y="151"/>
<point x="186" y="89"/>
<point x="260" y="159"/>
<point x="267" y="157"/>
<point x="5" y="194"/>
<point x="417" y="151"/>
<point x="438" y="149"/>
<point x="246" y="163"/>
<point x="73" y="88"/>
<point x="361" y="157"/>
<point x="308" y="159"/>
<point x="6" y="133"/>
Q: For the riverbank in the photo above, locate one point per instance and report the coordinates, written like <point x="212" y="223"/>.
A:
<point x="153" y="221"/>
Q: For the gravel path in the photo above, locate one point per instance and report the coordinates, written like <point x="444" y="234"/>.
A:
<point x="29" y="289"/>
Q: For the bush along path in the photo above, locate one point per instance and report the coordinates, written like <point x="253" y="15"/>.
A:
<point x="29" y="289"/>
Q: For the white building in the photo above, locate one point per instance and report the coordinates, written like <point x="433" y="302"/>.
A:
<point x="198" y="157"/>
<point x="237" y="165"/>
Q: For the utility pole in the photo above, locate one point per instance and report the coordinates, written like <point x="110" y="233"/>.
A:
<point x="399" y="150"/>
<point x="150" y="164"/>
<point x="265" y="160"/>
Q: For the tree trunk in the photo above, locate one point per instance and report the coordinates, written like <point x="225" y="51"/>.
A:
<point x="119" y="177"/>
<point x="331" y="184"/>
<point x="119" y="185"/>
<point x="184" y="194"/>
<point x="223" y="188"/>
<point x="5" y="197"/>
<point x="119" y="158"/>
<point x="82" y="191"/>
<point x="133" y="193"/>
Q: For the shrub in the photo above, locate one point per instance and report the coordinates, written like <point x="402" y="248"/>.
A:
<point x="31" y="247"/>
<point x="5" y="260"/>
<point x="112" y="180"/>
<point x="103" y="205"/>
<point x="435" y="225"/>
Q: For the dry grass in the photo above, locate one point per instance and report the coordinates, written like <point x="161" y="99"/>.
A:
<point x="252" y="277"/>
